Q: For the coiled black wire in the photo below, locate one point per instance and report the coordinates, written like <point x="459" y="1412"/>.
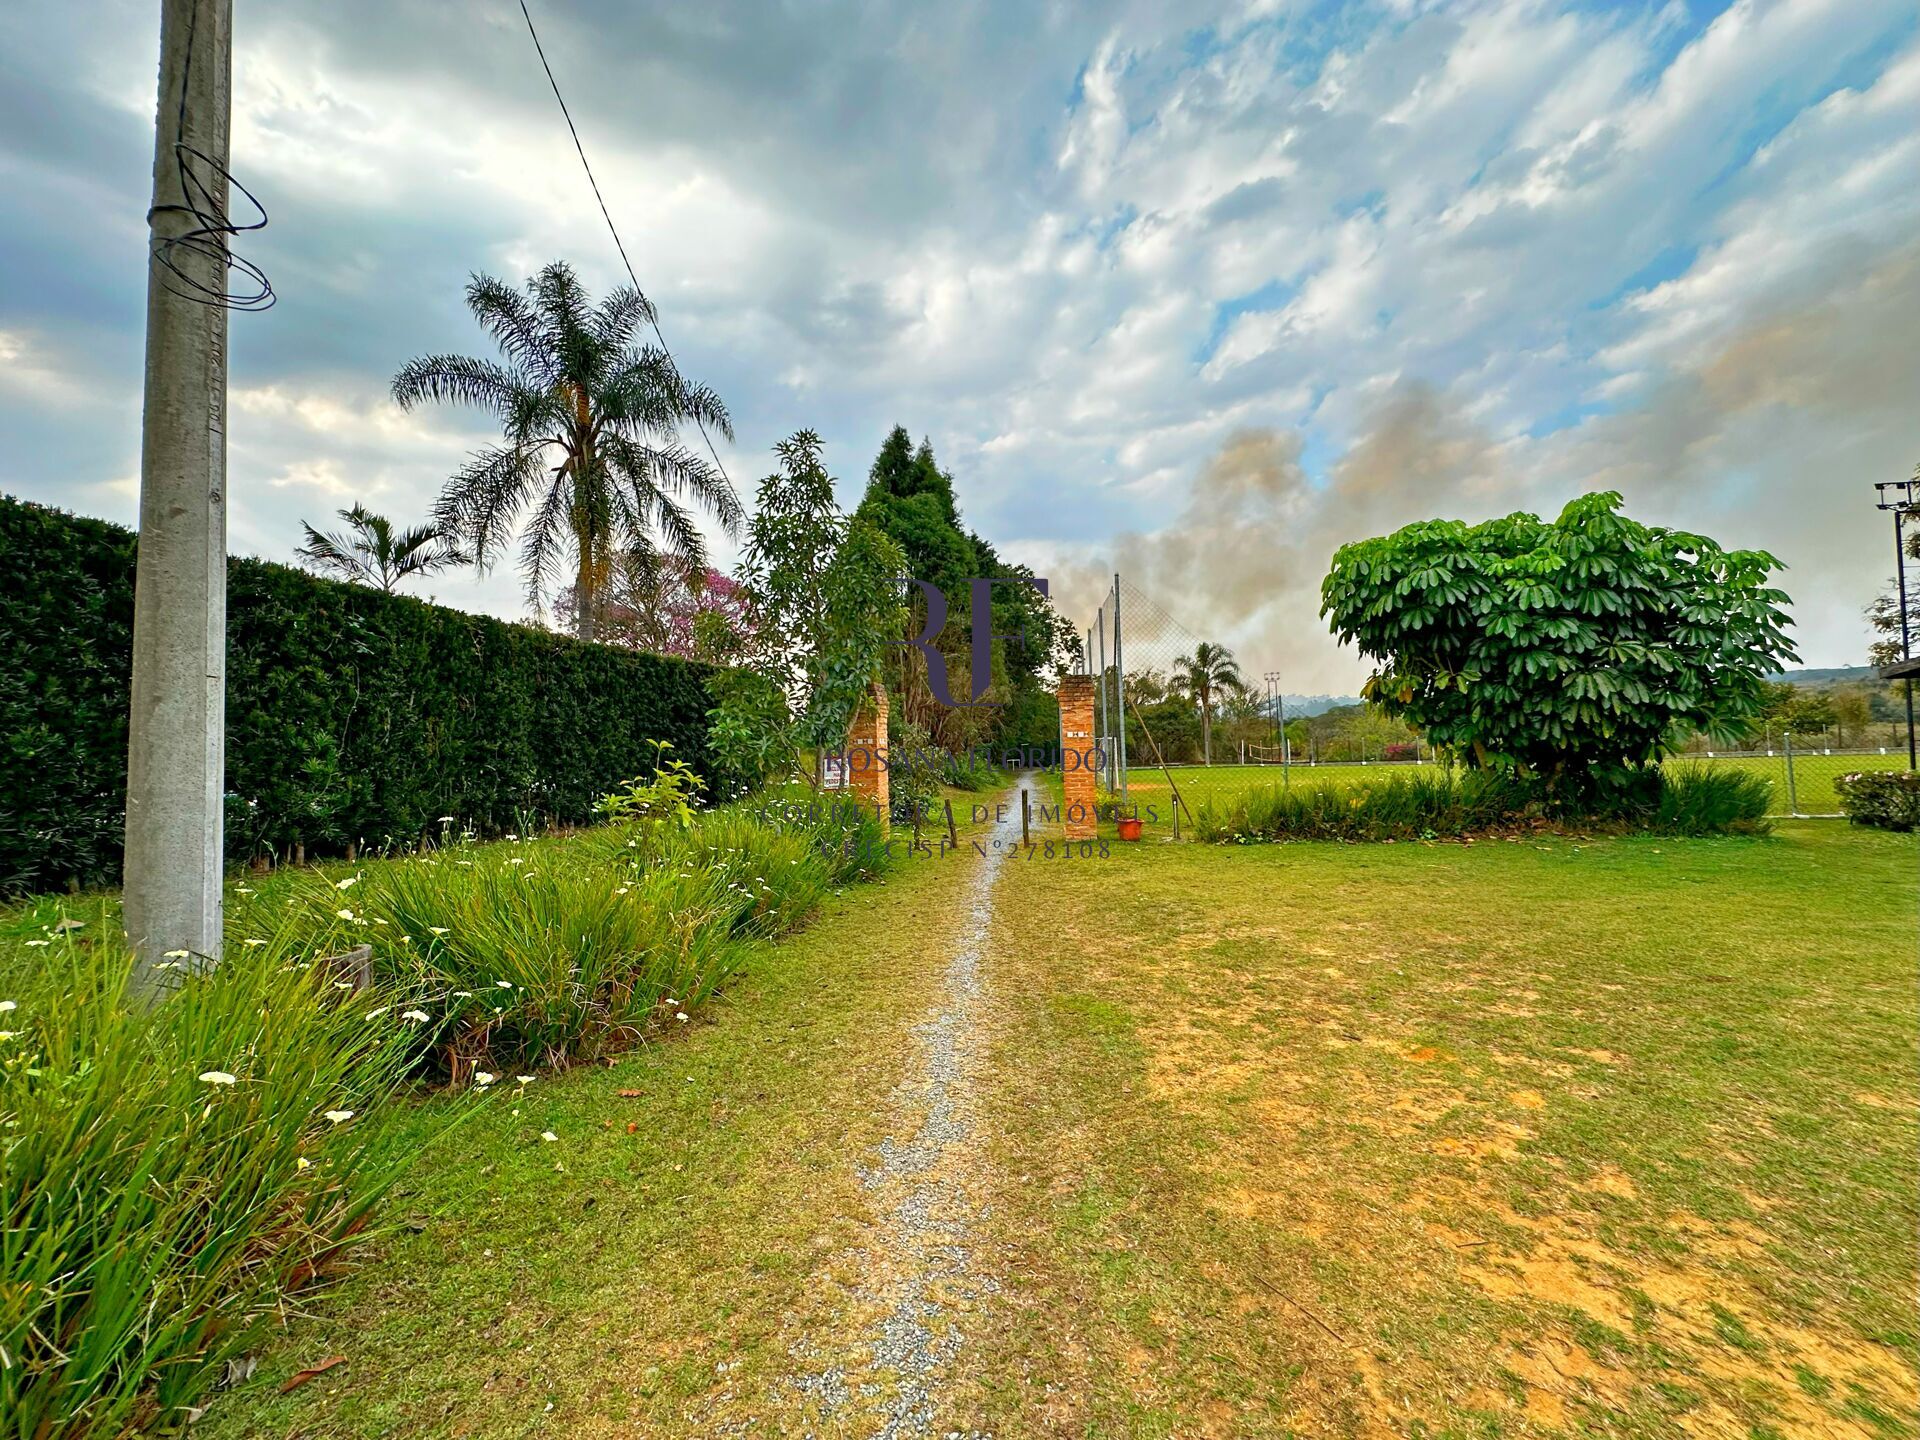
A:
<point x="200" y="176"/>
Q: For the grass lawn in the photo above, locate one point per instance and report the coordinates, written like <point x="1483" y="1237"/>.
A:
<point x="654" y="1261"/>
<point x="1546" y="1137"/>
<point x="1549" y="1137"/>
<point x="1812" y="792"/>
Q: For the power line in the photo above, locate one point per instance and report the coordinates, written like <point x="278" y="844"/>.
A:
<point x="612" y="229"/>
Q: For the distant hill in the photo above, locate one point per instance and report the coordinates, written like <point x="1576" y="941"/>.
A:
<point x="1298" y="705"/>
<point x="1838" y="675"/>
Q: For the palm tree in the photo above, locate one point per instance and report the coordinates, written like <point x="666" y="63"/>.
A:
<point x="590" y="422"/>
<point x="1204" y="674"/>
<point x="371" y="552"/>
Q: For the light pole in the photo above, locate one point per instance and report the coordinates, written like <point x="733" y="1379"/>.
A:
<point x="1902" y="507"/>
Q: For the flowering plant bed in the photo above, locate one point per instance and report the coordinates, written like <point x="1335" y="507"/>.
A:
<point x="1888" y="799"/>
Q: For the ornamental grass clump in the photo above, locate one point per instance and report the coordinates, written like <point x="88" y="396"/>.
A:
<point x="1705" y="800"/>
<point x="558" y="951"/>
<point x="172" y="1174"/>
<point x="1401" y="807"/>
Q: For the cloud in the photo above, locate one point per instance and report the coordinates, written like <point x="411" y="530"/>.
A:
<point x="1202" y="293"/>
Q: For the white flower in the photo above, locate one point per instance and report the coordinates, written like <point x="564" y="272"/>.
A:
<point x="6" y="1005"/>
<point x="376" y="1014"/>
<point x="417" y="1017"/>
<point x="343" y="984"/>
<point x="252" y="941"/>
<point x="178" y="954"/>
<point x="339" y="1117"/>
<point x="344" y="914"/>
<point x="516" y="861"/>
<point x="438" y="929"/>
<point x="523" y="1079"/>
<point x="346" y="884"/>
<point x="483" y="1078"/>
<point x="680" y="1015"/>
<point x="40" y="944"/>
<point x="504" y="984"/>
<point x="463" y="994"/>
<point x="8" y="1034"/>
<point x="302" y="1163"/>
<point x="446" y="819"/>
<point x="548" y="1136"/>
<point x="216" y="1077"/>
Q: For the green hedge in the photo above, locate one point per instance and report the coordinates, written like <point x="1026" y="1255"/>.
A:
<point x="352" y="716"/>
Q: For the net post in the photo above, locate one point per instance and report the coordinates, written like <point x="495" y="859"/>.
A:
<point x="1120" y="684"/>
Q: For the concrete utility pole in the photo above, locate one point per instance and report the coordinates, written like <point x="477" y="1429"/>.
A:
<point x="176" y="736"/>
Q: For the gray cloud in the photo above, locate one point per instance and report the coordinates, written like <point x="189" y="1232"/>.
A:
<point x="1238" y="285"/>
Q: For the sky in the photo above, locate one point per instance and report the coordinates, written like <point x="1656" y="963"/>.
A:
<point x="1197" y="293"/>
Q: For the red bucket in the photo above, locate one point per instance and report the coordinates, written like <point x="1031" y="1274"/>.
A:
<point x="1129" y="829"/>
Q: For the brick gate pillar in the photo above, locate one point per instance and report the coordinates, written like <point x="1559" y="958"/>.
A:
<point x="867" y="751"/>
<point x="1079" y="756"/>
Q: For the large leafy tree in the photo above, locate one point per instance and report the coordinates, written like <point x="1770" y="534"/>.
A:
<point x="1207" y="674"/>
<point x="912" y="500"/>
<point x="1573" y="651"/>
<point x="372" y="550"/>
<point x="590" y="454"/>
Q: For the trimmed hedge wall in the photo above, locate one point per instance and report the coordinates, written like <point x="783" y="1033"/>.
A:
<point x="352" y="716"/>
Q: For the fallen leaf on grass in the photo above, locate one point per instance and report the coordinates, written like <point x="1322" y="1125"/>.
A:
<point x="301" y="1377"/>
<point x="629" y="1094"/>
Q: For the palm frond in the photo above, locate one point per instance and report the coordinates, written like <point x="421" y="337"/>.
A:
<point x="461" y="380"/>
<point x="566" y="316"/>
<point x="623" y="311"/>
<point x="647" y="390"/>
<point x="486" y="495"/>
<point x="508" y="316"/>
<point x="334" y="554"/>
<point x="682" y="538"/>
<point x="543" y="544"/>
<point x="677" y="471"/>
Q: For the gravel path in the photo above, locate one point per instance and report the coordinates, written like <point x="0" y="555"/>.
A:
<point x="922" y="1271"/>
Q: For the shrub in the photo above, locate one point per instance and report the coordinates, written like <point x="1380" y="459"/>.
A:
<point x="560" y="950"/>
<point x="1401" y="807"/>
<point x="1710" y="800"/>
<point x="1691" y="800"/>
<point x="1887" y="799"/>
<point x="913" y="779"/>
<point x="351" y="715"/>
<point x="171" y="1174"/>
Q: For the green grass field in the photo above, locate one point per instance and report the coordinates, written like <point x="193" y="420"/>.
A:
<point x="1811" y="794"/>
<point x="1526" y="1138"/>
